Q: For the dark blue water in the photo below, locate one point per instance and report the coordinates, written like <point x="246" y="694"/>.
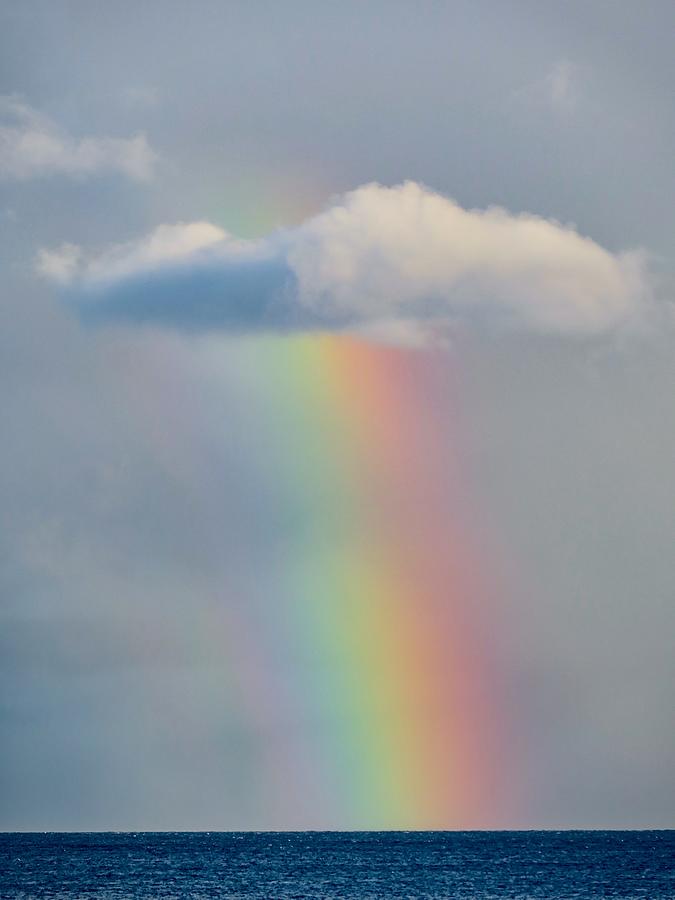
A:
<point x="279" y="866"/>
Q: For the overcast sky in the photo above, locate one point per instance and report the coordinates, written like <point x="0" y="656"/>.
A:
<point x="151" y="151"/>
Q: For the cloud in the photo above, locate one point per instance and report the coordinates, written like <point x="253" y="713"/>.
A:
<point x="59" y="265"/>
<point x="556" y="91"/>
<point x="140" y="97"/>
<point x="390" y="261"/>
<point x="32" y="145"/>
<point x="560" y="85"/>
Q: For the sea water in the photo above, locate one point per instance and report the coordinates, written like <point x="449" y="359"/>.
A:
<point x="280" y="866"/>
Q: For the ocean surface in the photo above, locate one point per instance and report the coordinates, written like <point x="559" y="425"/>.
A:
<point x="280" y="866"/>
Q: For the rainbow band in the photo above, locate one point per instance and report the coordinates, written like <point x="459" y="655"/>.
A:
<point x="379" y="582"/>
<point x="357" y="658"/>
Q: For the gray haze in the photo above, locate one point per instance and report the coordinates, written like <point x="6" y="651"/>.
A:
<point x="252" y="116"/>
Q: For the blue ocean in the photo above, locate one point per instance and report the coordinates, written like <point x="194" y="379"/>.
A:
<point x="281" y="866"/>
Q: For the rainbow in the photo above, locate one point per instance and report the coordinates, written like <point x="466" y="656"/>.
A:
<point x="361" y="654"/>
<point x="378" y="583"/>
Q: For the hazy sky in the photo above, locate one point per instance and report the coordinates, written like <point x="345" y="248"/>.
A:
<point x="147" y="153"/>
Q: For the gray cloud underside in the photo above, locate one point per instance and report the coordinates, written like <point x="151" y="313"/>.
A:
<point x="238" y="296"/>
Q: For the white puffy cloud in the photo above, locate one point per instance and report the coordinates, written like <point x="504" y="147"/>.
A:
<point x="409" y="249"/>
<point x="166" y="245"/>
<point x="33" y="145"/>
<point x="379" y="260"/>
